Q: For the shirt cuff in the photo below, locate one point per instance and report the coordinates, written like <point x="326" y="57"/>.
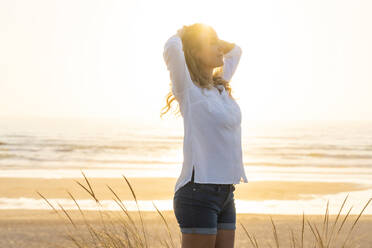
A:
<point x="236" y="50"/>
<point x="174" y="39"/>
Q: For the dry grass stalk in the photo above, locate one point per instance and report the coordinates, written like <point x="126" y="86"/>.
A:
<point x="129" y="234"/>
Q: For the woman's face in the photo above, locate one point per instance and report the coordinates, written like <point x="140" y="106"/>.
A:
<point x="210" y="53"/>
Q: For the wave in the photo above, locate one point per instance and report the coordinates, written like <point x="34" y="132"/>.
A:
<point x="299" y="155"/>
<point x="317" y="147"/>
<point x="312" y="205"/>
<point x="6" y="155"/>
<point x="309" y="164"/>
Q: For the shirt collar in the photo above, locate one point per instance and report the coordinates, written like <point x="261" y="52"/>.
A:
<point x="214" y="91"/>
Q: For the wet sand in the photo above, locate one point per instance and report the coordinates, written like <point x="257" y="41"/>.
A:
<point x="162" y="188"/>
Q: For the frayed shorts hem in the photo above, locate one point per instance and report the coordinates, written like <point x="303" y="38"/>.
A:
<point x="230" y="226"/>
<point x="208" y="230"/>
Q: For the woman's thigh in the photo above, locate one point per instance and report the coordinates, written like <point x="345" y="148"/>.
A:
<point x="196" y="240"/>
<point x="227" y="217"/>
<point x="225" y="238"/>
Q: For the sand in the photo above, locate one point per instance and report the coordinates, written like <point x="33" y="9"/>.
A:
<point x="43" y="228"/>
<point x="162" y="188"/>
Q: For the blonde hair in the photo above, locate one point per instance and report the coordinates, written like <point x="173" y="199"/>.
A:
<point x="190" y="41"/>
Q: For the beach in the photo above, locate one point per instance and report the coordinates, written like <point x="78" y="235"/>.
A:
<point x="291" y="170"/>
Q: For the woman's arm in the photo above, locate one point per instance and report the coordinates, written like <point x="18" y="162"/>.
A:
<point x="232" y="54"/>
<point x="176" y="64"/>
<point x="226" y="46"/>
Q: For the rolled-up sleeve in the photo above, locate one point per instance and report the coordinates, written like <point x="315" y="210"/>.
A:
<point x="176" y="64"/>
<point x="231" y="61"/>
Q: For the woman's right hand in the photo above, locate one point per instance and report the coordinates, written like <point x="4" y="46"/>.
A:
<point x="181" y="31"/>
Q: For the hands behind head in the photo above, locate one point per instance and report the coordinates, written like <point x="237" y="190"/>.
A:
<point x="181" y="31"/>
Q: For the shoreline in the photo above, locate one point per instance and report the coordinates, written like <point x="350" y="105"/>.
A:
<point x="21" y="215"/>
<point x="145" y="190"/>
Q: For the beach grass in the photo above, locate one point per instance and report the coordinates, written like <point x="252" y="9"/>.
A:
<point x="124" y="231"/>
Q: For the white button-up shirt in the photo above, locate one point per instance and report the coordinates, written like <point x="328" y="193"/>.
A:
<point x="212" y="121"/>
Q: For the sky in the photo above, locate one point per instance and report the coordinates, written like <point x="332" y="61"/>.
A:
<point x="301" y="60"/>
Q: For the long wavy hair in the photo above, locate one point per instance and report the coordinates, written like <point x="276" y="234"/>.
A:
<point x="190" y="41"/>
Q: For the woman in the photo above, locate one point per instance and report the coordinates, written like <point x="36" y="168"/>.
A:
<point x="204" y="192"/>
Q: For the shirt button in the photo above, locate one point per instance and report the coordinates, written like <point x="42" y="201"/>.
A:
<point x="193" y="189"/>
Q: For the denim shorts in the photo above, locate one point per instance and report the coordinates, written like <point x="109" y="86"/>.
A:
<point x="204" y="208"/>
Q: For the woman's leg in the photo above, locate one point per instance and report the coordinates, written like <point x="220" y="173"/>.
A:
<point x="226" y="223"/>
<point x="196" y="240"/>
<point x="225" y="238"/>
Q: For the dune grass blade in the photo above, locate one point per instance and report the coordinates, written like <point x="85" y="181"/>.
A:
<point x="268" y="245"/>
<point x="68" y="216"/>
<point x="90" y="229"/>
<point x="343" y="222"/>
<point x="73" y="239"/>
<point x="135" y="198"/>
<point x="352" y="227"/>
<point x="114" y="236"/>
<point x="135" y="232"/>
<point x="325" y="222"/>
<point x="55" y="210"/>
<point x="293" y="240"/>
<point x="275" y="233"/>
<point x="91" y="193"/>
<point x="312" y="230"/>
<point x="321" y="243"/>
<point x="90" y="190"/>
<point x="302" y="229"/>
<point x="334" y="223"/>
<point x="166" y="224"/>
<point x="249" y="236"/>
<point x="122" y="206"/>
